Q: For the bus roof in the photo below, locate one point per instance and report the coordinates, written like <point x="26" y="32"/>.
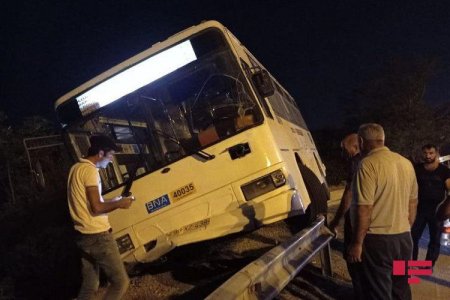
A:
<point x="138" y="57"/>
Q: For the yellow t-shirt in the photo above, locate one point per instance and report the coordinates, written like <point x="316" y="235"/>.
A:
<point x="82" y="175"/>
<point x="387" y="181"/>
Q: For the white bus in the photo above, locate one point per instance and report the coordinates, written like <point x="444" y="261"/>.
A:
<point x="215" y="143"/>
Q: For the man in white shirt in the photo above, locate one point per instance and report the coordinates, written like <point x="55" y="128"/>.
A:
<point x="89" y="211"/>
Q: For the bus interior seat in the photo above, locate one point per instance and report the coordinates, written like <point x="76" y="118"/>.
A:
<point x="208" y="136"/>
<point x="244" y="121"/>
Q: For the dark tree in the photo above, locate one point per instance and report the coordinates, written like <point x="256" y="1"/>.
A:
<point x="395" y="98"/>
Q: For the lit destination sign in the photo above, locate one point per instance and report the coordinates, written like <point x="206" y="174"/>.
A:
<point x="136" y="77"/>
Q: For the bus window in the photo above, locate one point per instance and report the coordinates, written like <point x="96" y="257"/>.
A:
<point x="284" y="106"/>
<point x="222" y="104"/>
<point x="262" y="100"/>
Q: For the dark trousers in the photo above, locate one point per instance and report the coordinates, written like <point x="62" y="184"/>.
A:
<point x="424" y="218"/>
<point x="99" y="251"/>
<point x="379" y="252"/>
<point x="354" y="269"/>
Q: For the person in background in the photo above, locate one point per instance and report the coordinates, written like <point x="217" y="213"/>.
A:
<point x="433" y="179"/>
<point x="89" y="211"/>
<point x="350" y="151"/>
<point x="383" y="209"/>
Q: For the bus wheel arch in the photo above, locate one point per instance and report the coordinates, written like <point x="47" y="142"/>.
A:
<point x="315" y="189"/>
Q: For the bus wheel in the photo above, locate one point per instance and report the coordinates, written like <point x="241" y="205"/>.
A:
<point x="316" y="192"/>
<point x="318" y="196"/>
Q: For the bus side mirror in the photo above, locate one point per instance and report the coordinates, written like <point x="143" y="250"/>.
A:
<point x="263" y="83"/>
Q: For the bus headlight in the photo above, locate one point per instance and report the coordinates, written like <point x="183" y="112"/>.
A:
<point x="263" y="185"/>
<point x="124" y="243"/>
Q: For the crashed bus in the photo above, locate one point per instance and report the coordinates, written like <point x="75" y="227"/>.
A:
<point x="211" y="143"/>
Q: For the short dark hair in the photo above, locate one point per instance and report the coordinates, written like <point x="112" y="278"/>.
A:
<point x="430" y="146"/>
<point x="101" y="143"/>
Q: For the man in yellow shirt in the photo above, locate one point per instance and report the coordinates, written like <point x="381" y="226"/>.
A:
<point x="383" y="209"/>
<point x="89" y="211"/>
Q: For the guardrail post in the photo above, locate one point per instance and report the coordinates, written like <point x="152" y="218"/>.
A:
<point x="325" y="260"/>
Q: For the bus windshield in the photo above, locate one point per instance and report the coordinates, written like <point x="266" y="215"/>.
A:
<point x="183" y="111"/>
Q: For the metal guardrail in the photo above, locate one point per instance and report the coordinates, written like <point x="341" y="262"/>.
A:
<point x="41" y="142"/>
<point x="34" y="145"/>
<point x="265" y="277"/>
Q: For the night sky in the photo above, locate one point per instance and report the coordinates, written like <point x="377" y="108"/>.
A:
<point x="320" y="51"/>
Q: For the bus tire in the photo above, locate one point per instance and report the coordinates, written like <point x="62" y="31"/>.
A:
<point x="318" y="195"/>
<point x="316" y="192"/>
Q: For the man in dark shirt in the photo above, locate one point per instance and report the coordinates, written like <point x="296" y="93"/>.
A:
<point x="350" y="151"/>
<point x="433" y="179"/>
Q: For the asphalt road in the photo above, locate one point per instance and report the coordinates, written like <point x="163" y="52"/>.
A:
<point x="436" y="286"/>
